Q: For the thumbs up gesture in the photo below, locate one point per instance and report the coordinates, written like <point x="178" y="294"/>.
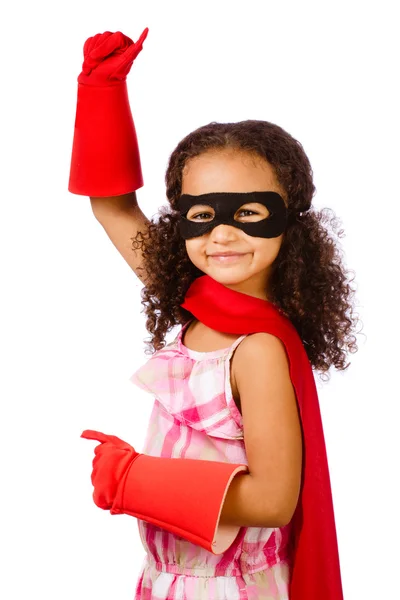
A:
<point x="108" y="57"/>
<point x="105" y="158"/>
<point x="113" y="457"/>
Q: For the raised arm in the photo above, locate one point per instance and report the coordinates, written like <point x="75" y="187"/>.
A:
<point x="105" y="161"/>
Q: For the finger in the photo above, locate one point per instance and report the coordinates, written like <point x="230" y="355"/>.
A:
<point x="132" y="51"/>
<point x="112" y="43"/>
<point x="92" y="42"/>
<point x="90" y="434"/>
<point x="126" y="60"/>
<point x="124" y="40"/>
<point x="139" y="44"/>
<point x="90" y="51"/>
<point x="99" y="451"/>
<point x="143" y="36"/>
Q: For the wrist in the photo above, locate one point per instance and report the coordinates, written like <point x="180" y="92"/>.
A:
<point x="90" y="82"/>
<point x="105" y="155"/>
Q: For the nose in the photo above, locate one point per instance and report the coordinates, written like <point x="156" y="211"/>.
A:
<point x="223" y="231"/>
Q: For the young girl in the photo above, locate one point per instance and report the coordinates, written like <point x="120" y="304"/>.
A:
<point x="232" y="491"/>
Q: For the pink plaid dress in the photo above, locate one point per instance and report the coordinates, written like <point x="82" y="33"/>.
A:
<point x="195" y="416"/>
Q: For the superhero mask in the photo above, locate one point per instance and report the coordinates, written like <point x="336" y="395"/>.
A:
<point x="225" y="205"/>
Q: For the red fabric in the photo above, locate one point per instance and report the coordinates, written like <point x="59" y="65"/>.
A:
<point x="112" y="459"/>
<point x="108" y="57"/>
<point x="316" y="568"/>
<point x="183" y="496"/>
<point x="105" y="158"/>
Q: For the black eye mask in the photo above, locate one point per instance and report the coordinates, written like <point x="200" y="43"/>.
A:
<point x="225" y="205"/>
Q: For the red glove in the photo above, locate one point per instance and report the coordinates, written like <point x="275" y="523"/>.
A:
<point x="113" y="457"/>
<point x="105" y="157"/>
<point x="108" y="58"/>
<point x="182" y="496"/>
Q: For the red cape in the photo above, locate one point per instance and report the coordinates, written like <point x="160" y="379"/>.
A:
<point x="315" y="568"/>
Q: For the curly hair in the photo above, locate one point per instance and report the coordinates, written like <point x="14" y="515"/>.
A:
<point x="308" y="283"/>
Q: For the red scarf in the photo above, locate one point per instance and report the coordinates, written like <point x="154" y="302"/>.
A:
<point x="315" y="567"/>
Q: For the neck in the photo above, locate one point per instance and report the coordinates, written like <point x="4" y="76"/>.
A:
<point x="251" y="287"/>
<point x="247" y="290"/>
<point x="225" y="309"/>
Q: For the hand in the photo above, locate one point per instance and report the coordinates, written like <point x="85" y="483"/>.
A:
<point x="108" y="57"/>
<point x="113" y="458"/>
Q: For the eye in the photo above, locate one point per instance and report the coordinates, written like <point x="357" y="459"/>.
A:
<point x="252" y="212"/>
<point x="202" y="215"/>
<point x="199" y="215"/>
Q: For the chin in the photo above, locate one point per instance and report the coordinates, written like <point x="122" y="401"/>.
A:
<point x="226" y="276"/>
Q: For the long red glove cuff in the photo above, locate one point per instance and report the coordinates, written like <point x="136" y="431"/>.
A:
<point x="105" y="154"/>
<point x="183" y="496"/>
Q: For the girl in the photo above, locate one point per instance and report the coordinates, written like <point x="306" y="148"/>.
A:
<point x="232" y="492"/>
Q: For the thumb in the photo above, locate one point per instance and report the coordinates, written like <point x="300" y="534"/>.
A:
<point x="126" y="59"/>
<point x="142" y="37"/>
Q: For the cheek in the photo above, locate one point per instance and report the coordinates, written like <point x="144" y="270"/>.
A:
<point x="269" y="248"/>
<point x="194" y="247"/>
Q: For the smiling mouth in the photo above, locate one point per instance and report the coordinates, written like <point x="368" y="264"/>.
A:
<point x="227" y="258"/>
<point x="226" y="253"/>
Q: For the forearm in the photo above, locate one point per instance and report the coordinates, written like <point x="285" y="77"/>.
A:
<point x="122" y="219"/>
<point x="249" y="504"/>
<point x="109" y="204"/>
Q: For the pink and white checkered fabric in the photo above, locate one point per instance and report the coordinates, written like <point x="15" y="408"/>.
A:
<point x="195" y="416"/>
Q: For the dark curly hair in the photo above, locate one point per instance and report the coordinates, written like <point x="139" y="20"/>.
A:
<point x="309" y="283"/>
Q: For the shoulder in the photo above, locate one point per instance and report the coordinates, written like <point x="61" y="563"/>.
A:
<point x="255" y="358"/>
<point x="260" y="349"/>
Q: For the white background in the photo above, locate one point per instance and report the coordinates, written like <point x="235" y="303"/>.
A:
<point x="72" y="331"/>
